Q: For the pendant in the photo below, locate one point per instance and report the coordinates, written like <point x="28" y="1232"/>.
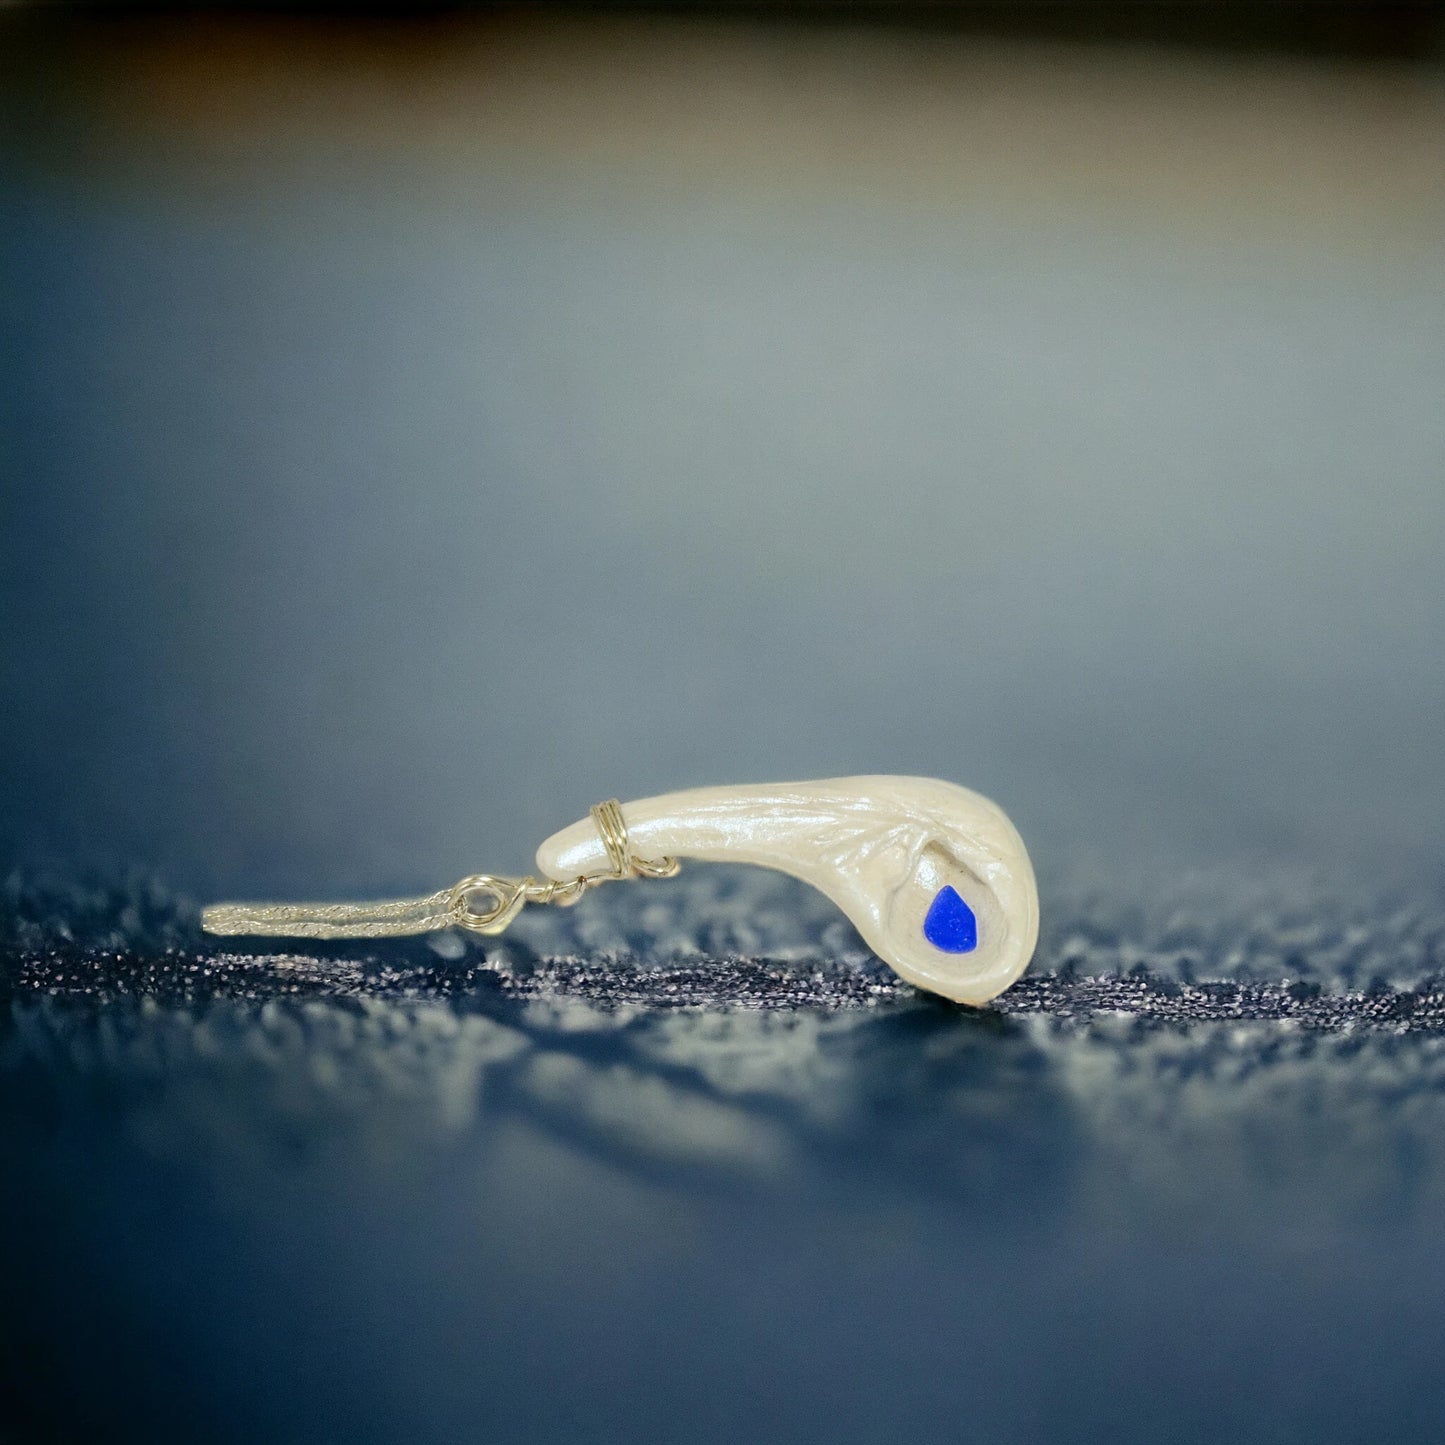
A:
<point x="934" y="877"/>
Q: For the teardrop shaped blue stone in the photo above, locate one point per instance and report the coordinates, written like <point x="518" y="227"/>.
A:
<point x="950" y="924"/>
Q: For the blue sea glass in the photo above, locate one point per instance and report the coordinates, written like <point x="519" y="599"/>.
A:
<point x="950" y="924"/>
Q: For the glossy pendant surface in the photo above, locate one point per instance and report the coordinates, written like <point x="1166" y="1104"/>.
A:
<point x="934" y="877"/>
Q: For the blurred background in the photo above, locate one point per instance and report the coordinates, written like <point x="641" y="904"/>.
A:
<point x="419" y="428"/>
<point x="415" y="427"/>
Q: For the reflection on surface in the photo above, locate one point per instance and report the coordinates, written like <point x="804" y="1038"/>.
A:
<point x="915" y="1097"/>
<point x="410" y="1213"/>
<point x="922" y="1093"/>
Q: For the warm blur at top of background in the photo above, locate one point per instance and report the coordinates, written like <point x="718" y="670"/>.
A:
<point x="414" y="430"/>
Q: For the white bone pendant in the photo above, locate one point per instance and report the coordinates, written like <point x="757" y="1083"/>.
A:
<point x="933" y="876"/>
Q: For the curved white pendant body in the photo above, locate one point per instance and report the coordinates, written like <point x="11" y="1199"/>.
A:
<point x="933" y="876"/>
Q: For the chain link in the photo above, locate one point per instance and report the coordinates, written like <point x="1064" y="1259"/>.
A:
<point x="448" y="907"/>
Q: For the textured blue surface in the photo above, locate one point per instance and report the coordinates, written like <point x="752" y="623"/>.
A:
<point x="950" y="924"/>
<point x="683" y="1161"/>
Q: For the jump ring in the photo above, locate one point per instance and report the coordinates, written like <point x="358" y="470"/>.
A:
<point x="508" y="893"/>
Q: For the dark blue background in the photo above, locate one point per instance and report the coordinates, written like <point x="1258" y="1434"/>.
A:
<point x="408" y="442"/>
